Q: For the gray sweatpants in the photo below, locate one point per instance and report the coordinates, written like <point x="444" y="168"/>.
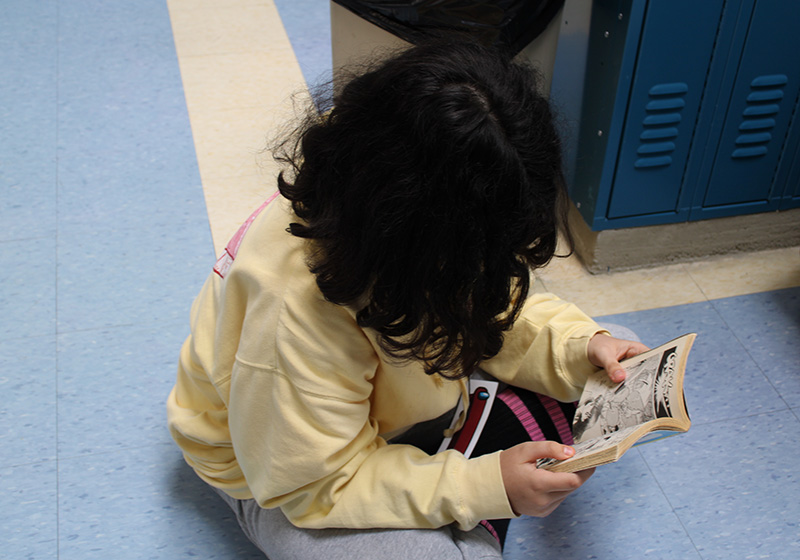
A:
<point x="278" y="539"/>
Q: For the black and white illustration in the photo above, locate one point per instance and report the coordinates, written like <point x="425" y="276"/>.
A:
<point x="611" y="417"/>
<point x="606" y="408"/>
<point x="665" y="384"/>
<point x="591" y="445"/>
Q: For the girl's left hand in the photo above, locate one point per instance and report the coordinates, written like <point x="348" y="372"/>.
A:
<point x="605" y="352"/>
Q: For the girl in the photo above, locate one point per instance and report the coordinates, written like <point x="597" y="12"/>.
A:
<point x="337" y="332"/>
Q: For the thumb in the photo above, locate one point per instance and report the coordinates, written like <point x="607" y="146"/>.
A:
<point x="532" y="451"/>
<point x="615" y="371"/>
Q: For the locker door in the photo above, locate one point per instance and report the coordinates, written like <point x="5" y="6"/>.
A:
<point x="791" y="198"/>
<point x="787" y="178"/>
<point x="674" y="55"/>
<point x="760" y="109"/>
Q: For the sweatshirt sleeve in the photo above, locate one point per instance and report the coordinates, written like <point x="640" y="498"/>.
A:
<point x="303" y="435"/>
<point x="545" y="351"/>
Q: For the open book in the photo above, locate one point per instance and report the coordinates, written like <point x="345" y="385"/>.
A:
<point x="612" y="417"/>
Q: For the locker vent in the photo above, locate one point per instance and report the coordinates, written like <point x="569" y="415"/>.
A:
<point x="758" y="117"/>
<point x="663" y="115"/>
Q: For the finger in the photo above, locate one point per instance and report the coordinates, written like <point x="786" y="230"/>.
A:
<point x="558" y="497"/>
<point x="615" y="371"/>
<point x="552" y="507"/>
<point x="634" y="349"/>
<point x="535" y="450"/>
<point x="565" y="482"/>
<point x="532" y="451"/>
<point x="607" y="355"/>
<point x="558" y="486"/>
<point x="571" y="481"/>
<point x="585" y="474"/>
<point x="546" y="509"/>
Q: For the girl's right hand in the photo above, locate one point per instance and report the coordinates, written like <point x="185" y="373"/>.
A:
<point x="533" y="491"/>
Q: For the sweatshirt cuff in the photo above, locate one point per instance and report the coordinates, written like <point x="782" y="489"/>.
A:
<point x="485" y="495"/>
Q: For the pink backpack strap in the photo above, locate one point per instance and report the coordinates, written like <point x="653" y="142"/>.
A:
<point x="225" y="260"/>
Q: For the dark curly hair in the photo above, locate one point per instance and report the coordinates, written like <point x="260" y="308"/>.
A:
<point x="431" y="189"/>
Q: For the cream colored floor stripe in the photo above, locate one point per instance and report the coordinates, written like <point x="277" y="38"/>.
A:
<point x="637" y="290"/>
<point x="239" y="73"/>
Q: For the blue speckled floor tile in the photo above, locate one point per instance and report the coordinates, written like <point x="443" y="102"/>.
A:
<point x="116" y="54"/>
<point x="735" y="485"/>
<point x="117" y="172"/>
<point x="722" y="380"/>
<point x="768" y="325"/>
<point x="28" y="278"/>
<point x="28" y="198"/>
<point x="28" y="173"/>
<point x="308" y="25"/>
<point x="28" y="55"/>
<point x="126" y="154"/>
<point x="117" y="195"/>
<point x="28" y="116"/>
<point x="143" y="503"/>
<point x="111" y="277"/>
<point x="132" y="219"/>
<point x="113" y="385"/>
<point x="87" y="26"/>
<point x="103" y="225"/>
<point x="620" y="513"/>
<point x="141" y="132"/>
<point x="28" y="407"/>
<point x="28" y="511"/>
<point x="34" y="21"/>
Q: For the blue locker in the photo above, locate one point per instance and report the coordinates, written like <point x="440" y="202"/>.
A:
<point x="674" y="56"/>
<point x="791" y="194"/>
<point x="758" y="116"/>
<point x="690" y="111"/>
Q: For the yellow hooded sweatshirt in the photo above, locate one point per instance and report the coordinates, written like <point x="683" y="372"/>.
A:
<point x="282" y="397"/>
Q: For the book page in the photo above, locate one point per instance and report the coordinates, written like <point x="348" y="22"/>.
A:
<point x="609" y="413"/>
<point x="646" y="394"/>
<point x="601" y="443"/>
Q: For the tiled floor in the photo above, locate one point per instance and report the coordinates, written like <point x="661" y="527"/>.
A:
<point x="131" y="137"/>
